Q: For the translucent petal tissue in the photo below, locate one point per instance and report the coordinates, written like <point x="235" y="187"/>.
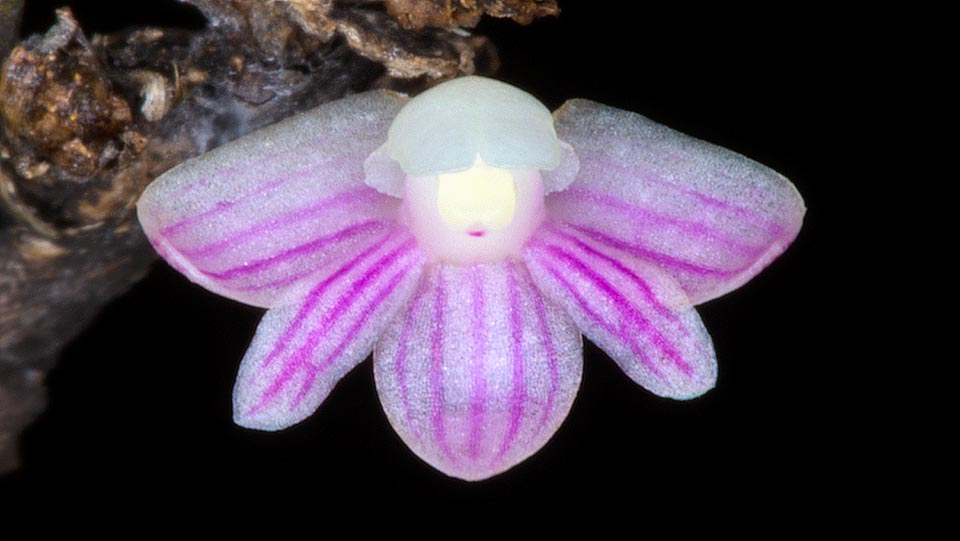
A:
<point x="467" y="237"/>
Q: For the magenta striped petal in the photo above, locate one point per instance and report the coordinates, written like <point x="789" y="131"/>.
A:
<point x="479" y="372"/>
<point x="253" y="219"/>
<point x="633" y="310"/>
<point x="708" y="216"/>
<point x="301" y="351"/>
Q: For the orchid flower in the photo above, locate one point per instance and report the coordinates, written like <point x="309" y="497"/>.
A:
<point x="467" y="237"/>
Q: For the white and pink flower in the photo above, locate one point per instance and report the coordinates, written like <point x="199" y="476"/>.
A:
<point x="467" y="237"/>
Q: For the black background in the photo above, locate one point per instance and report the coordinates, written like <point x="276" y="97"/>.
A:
<point x="139" y="414"/>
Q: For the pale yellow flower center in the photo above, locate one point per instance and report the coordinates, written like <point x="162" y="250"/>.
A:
<point x="480" y="215"/>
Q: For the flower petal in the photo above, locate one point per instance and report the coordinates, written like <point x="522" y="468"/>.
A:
<point x="634" y="311"/>
<point x="253" y="219"/>
<point x="709" y="216"/>
<point x="480" y="371"/>
<point x="300" y="352"/>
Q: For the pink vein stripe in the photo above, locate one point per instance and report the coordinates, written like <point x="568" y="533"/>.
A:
<point x="436" y="366"/>
<point x="659" y="258"/>
<point x="519" y="393"/>
<point x="346" y="301"/>
<point x="310" y="247"/>
<point x="623" y="305"/>
<point x="308" y="172"/>
<point x="300" y="357"/>
<point x="279" y="282"/>
<point x="283" y="220"/>
<point x="314" y="370"/>
<point x="548" y="346"/>
<point x="624" y="336"/>
<point x="745" y="213"/>
<point x="642" y="217"/>
<point x="314" y="297"/>
<point x="400" y="369"/>
<point x="219" y="208"/>
<point x="648" y="293"/>
<point x="478" y="390"/>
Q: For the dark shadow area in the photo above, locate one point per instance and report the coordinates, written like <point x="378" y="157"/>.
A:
<point x="105" y="16"/>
